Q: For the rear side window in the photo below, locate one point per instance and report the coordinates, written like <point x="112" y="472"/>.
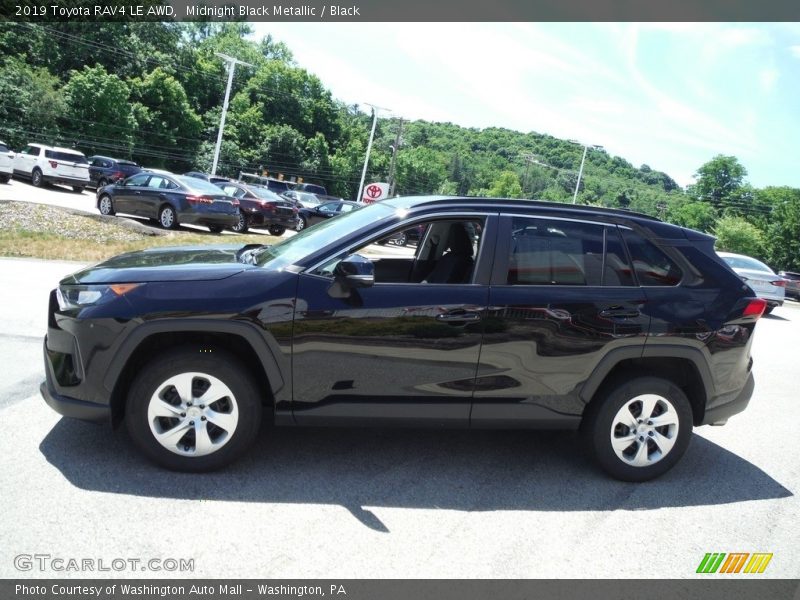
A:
<point x="552" y="252"/>
<point x="137" y="179"/>
<point x="652" y="265"/>
<point x="66" y="156"/>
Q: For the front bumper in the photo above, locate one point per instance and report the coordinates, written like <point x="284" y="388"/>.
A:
<point x="64" y="405"/>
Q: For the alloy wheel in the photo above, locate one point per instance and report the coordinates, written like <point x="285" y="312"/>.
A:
<point x="644" y="430"/>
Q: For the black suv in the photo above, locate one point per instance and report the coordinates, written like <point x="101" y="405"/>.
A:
<point x="104" y="170"/>
<point x="507" y="314"/>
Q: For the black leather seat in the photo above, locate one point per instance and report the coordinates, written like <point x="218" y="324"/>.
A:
<point x="455" y="265"/>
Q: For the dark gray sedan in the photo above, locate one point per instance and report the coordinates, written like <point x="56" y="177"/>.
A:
<point x="171" y="200"/>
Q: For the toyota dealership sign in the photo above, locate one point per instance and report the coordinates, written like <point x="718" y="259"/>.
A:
<point x="375" y="192"/>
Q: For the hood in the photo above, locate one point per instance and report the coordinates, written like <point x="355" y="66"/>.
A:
<point x="187" y="263"/>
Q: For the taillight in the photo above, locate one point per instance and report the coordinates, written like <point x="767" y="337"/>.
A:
<point x="199" y="200"/>
<point x="295" y="209"/>
<point x="235" y="201"/>
<point x="118" y="175"/>
<point x="755" y="308"/>
<point x="53" y="163"/>
<point x="779" y="282"/>
<point x="269" y="205"/>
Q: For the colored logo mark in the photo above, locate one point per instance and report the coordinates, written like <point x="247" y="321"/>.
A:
<point x="734" y="562"/>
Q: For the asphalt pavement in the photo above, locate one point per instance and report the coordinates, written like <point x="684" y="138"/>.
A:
<point x="389" y="503"/>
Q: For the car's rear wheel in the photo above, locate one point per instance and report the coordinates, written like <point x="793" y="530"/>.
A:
<point x="106" y="205"/>
<point x="78" y="189"/>
<point x="277" y="230"/>
<point x="36" y="178"/>
<point x="5" y="178"/>
<point x="242" y="225"/>
<point x="102" y="183"/>
<point x="166" y="217"/>
<point x="193" y="411"/>
<point x="638" y="429"/>
<point x="401" y="239"/>
<point x="215" y="228"/>
<point x="301" y="224"/>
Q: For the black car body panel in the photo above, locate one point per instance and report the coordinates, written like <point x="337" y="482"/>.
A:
<point x="513" y="344"/>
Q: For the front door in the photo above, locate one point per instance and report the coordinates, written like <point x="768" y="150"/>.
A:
<point x="404" y="349"/>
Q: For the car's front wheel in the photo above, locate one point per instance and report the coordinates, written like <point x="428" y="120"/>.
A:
<point x="193" y="411"/>
<point x="277" y="230"/>
<point x="106" y="205"/>
<point x="5" y="178"/>
<point x="215" y="228"/>
<point x="78" y="189"/>
<point x="639" y="428"/>
<point x="301" y="224"/>
<point x="166" y="217"/>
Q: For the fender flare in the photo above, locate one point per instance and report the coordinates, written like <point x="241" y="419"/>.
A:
<point x="264" y="346"/>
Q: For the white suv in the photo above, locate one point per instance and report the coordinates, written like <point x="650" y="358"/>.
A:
<point x="47" y="164"/>
<point x="6" y="163"/>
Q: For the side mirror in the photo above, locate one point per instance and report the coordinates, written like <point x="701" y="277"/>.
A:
<point x="352" y="272"/>
<point x="356" y="270"/>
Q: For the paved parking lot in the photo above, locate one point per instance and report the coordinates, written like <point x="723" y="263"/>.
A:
<point x="391" y="503"/>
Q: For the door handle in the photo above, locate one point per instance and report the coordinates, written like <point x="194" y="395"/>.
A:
<point x="459" y="317"/>
<point x="616" y="312"/>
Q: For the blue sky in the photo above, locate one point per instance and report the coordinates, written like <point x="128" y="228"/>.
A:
<point x="671" y="95"/>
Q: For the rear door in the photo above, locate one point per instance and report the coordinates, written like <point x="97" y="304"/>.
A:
<point x="68" y="164"/>
<point x="563" y="296"/>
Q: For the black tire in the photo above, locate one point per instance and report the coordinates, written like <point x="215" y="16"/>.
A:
<point x="277" y="230"/>
<point x="102" y="183"/>
<point x="77" y="189"/>
<point x="167" y="217"/>
<point x="601" y="421"/>
<point x="215" y="228"/>
<point x="242" y="408"/>
<point x="401" y="239"/>
<point x="768" y="310"/>
<point x="5" y="178"/>
<point x="301" y="224"/>
<point x="243" y="225"/>
<point x="105" y="205"/>
<point x="36" y="178"/>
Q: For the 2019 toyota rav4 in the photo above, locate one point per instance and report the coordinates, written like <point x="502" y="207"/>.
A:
<point x="506" y="314"/>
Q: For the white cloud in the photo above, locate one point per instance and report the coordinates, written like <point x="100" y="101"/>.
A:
<point x="767" y="78"/>
<point x="795" y="51"/>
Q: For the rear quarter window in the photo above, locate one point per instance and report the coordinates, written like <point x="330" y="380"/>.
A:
<point x="66" y="156"/>
<point x="651" y="265"/>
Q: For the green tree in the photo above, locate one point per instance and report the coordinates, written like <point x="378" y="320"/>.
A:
<point x="783" y="230"/>
<point x="31" y="103"/>
<point x="695" y="215"/>
<point x="507" y="185"/>
<point x="736" y="234"/>
<point x="98" y="107"/>
<point x="720" y="181"/>
<point x="169" y="129"/>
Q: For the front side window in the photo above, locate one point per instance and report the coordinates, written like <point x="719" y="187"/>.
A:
<point x="137" y="180"/>
<point x="431" y="252"/>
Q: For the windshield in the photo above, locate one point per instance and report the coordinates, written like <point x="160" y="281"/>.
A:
<point x="321" y="235"/>
<point x="199" y="185"/>
<point x="745" y="262"/>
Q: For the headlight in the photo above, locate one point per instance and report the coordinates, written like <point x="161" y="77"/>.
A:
<point x="72" y="297"/>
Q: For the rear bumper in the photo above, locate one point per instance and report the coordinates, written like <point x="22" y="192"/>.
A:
<point x="220" y="219"/>
<point x="64" y="180"/>
<point x="721" y="412"/>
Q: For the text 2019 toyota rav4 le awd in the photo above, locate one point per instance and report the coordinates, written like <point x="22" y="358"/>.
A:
<point x="506" y="314"/>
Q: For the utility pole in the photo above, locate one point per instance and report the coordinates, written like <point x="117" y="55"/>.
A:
<point x="231" y="65"/>
<point x="580" y="171"/>
<point x="395" y="148"/>
<point x="375" y="110"/>
<point x="528" y="158"/>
